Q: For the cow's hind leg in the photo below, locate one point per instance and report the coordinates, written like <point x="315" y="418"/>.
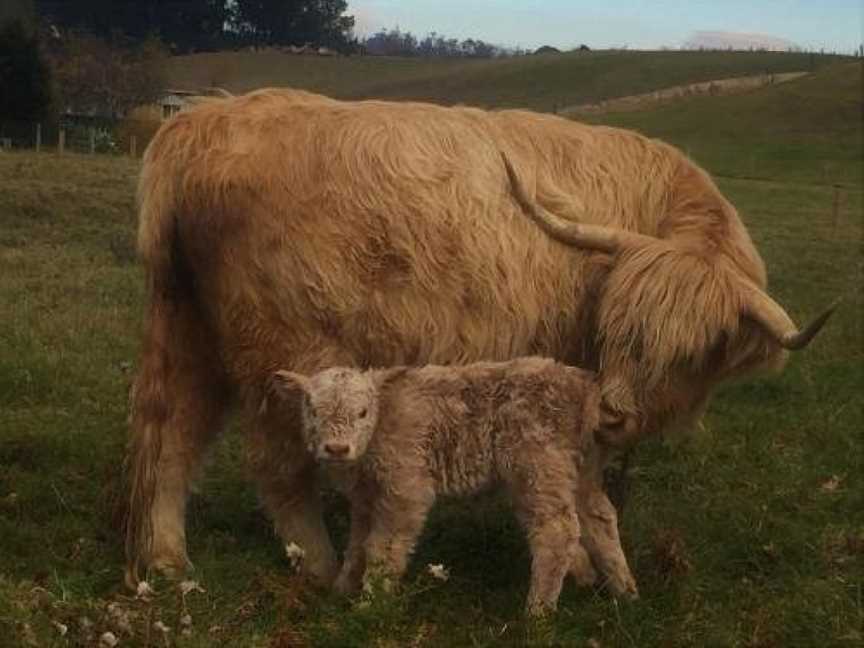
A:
<point x="176" y="408"/>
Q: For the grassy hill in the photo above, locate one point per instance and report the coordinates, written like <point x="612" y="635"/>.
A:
<point x="807" y="130"/>
<point x="750" y="534"/>
<point x="542" y="82"/>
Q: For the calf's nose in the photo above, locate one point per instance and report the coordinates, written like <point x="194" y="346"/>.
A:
<point x="337" y="449"/>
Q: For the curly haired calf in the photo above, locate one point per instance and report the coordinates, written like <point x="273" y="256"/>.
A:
<point x="406" y="435"/>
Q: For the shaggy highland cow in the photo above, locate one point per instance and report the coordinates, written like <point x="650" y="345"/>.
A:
<point x="283" y="229"/>
<point x="397" y="438"/>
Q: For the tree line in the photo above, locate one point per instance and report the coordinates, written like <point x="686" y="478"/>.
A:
<point x="394" y="42"/>
<point x="195" y="25"/>
<point x="103" y="57"/>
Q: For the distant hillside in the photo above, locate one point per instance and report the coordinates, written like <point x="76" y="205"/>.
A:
<point x="807" y="130"/>
<point x="543" y="82"/>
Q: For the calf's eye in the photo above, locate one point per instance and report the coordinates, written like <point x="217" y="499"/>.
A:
<point x="362" y="413"/>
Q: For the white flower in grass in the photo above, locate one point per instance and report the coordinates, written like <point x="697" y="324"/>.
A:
<point x="438" y="571"/>
<point x="190" y="586"/>
<point x="144" y="590"/>
<point x="109" y="639"/>
<point x="295" y="554"/>
<point x="161" y="627"/>
<point x="62" y="628"/>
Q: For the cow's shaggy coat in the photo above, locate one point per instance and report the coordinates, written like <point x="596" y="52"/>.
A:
<point x="404" y="436"/>
<point x="285" y="229"/>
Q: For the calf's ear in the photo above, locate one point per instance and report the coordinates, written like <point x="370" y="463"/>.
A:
<point x="284" y="386"/>
<point x="288" y="383"/>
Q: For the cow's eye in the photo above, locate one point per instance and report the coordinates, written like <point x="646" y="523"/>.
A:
<point x="362" y="413"/>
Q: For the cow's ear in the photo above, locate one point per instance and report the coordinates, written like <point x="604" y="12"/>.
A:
<point x="616" y="429"/>
<point x="288" y="384"/>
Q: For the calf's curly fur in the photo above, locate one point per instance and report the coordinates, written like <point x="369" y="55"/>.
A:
<point x="408" y="435"/>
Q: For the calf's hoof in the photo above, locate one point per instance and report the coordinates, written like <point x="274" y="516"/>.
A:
<point x="624" y="587"/>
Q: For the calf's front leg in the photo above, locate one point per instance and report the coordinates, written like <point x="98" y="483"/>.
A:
<point x="396" y="522"/>
<point x="351" y="574"/>
<point x="602" y="541"/>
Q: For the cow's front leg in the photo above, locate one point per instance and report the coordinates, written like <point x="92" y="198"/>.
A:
<point x="288" y="486"/>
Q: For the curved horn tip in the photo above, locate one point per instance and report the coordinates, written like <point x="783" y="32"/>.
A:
<point x="798" y="341"/>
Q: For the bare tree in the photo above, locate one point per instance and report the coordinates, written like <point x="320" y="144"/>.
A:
<point x="96" y="77"/>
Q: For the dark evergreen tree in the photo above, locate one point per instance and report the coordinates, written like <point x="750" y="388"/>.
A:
<point x="208" y="24"/>
<point x="25" y="77"/>
<point x="184" y="24"/>
<point x="293" y="22"/>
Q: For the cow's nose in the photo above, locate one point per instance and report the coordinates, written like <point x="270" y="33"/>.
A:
<point x="336" y="449"/>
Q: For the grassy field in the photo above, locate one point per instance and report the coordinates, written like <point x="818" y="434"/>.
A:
<point x="806" y="130"/>
<point x="749" y="534"/>
<point x="543" y="82"/>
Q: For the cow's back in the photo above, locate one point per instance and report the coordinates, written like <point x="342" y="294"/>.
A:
<point x="322" y="232"/>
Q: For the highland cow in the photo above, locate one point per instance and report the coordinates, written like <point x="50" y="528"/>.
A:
<point x="395" y="439"/>
<point x="283" y="229"/>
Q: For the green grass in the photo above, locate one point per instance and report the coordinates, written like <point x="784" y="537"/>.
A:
<point x="543" y="82"/>
<point x="806" y="130"/>
<point x="733" y="534"/>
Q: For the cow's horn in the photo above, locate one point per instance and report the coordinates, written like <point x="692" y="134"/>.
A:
<point x="777" y="322"/>
<point x="594" y="237"/>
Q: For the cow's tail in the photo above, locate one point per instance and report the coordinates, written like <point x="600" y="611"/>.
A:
<point x="177" y="398"/>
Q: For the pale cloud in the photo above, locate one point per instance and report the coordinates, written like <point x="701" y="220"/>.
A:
<point x="737" y="40"/>
<point x="366" y="20"/>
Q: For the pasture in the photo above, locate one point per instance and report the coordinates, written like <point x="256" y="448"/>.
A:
<point x="542" y="82"/>
<point x="748" y="533"/>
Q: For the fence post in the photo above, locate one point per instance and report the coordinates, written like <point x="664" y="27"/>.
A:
<point x="38" y="137"/>
<point x="133" y="146"/>
<point x="61" y="141"/>
<point x="92" y="140"/>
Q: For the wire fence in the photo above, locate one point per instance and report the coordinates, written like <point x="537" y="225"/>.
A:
<point x="91" y="135"/>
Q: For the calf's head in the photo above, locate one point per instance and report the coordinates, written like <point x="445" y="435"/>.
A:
<point x="339" y="410"/>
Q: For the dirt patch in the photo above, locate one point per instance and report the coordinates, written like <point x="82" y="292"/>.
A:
<point x="713" y="88"/>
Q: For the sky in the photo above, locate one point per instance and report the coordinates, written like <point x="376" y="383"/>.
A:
<point x="636" y="24"/>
